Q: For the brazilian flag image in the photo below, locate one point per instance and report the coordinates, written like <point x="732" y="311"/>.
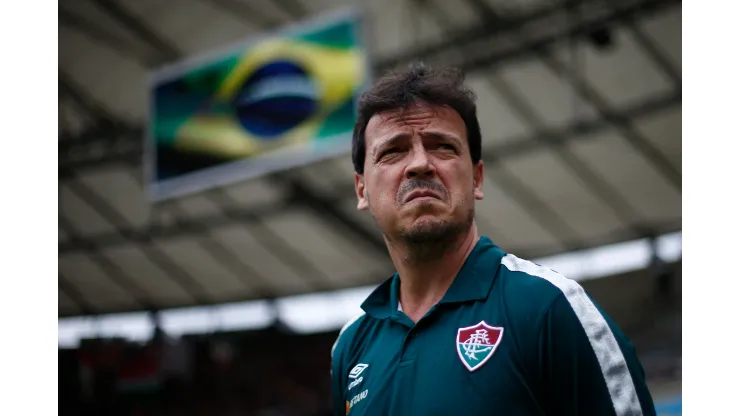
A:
<point x="282" y="101"/>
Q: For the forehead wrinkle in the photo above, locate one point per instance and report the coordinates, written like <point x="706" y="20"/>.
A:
<point x="410" y="114"/>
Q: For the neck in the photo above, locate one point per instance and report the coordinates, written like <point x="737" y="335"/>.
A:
<point x="424" y="281"/>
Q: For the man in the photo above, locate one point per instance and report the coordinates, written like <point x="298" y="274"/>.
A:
<point x="462" y="328"/>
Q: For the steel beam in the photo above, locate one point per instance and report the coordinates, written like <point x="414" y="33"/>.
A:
<point x="247" y="12"/>
<point x="326" y="208"/>
<point x="624" y="126"/>
<point x="247" y="275"/>
<point x="176" y="273"/>
<point x="366" y="280"/>
<point x="656" y="54"/>
<point x="129" y="147"/>
<point x="596" y="184"/>
<point x="294" y="8"/>
<point x="89" y="106"/>
<point x="170" y="52"/>
<point x="548" y="218"/>
<point x="577" y="130"/>
<point x="526" y="252"/>
<point x="276" y="244"/>
<point x="467" y="36"/>
<point x="101" y="35"/>
<point x="550" y="33"/>
<point x="539" y="211"/>
<point x="584" y="128"/>
<point x="618" y="236"/>
<point x="582" y="88"/>
<point x="111" y="271"/>
<point x="134" y="146"/>
<point x="167" y="50"/>
<point x="75" y="296"/>
<point x="181" y="227"/>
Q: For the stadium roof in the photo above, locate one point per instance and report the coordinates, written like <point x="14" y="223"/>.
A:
<point x="602" y="271"/>
<point x="581" y="149"/>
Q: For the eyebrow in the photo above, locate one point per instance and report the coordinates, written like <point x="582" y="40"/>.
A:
<point x="390" y="141"/>
<point x="427" y="134"/>
<point x="442" y="135"/>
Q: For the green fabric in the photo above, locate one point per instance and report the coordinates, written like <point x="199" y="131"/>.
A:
<point x="543" y="364"/>
<point x="339" y="36"/>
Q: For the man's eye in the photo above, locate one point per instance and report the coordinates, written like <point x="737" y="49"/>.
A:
<point x="387" y="152"/>
<point x="447" y="147"/>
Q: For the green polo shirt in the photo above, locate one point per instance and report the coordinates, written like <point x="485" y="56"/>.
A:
<point x="508" y="338"/>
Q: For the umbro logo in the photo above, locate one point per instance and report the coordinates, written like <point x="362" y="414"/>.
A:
<point x="357" y="370"/>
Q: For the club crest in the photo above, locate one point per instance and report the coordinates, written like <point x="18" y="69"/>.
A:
<point x="476" y="344"/>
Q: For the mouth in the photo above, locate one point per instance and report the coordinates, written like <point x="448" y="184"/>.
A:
<point x="421" y="194"/>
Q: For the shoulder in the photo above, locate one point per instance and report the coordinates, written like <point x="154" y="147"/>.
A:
<point x="346" y="335"/>
<point x="521" y="277"/>
<point x="531" y="290"/>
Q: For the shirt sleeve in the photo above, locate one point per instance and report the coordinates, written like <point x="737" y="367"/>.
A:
<point x="337" y="385"/>
<point x="588" y="366"/>
<point x="338" y="367"/>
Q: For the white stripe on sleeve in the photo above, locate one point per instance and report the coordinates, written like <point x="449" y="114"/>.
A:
<point x="613" y="364"/>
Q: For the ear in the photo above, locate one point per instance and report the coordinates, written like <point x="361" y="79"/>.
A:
<point x="361" y="192"/>
<point x="478" y="180"/>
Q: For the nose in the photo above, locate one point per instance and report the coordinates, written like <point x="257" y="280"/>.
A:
<point x="420" y="165"/>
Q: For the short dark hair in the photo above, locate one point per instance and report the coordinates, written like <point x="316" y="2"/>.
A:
<point x="419" y="83"/>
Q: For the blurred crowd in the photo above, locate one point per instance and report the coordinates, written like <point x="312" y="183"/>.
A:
<point x="263" y="373"/>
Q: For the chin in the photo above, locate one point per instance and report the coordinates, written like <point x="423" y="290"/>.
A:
<point x="430" y="227"/>
<point x="427" y="228"/>
<point x="426" y="218"/>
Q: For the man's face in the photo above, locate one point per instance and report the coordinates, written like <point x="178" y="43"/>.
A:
<point x="419" y="181"/>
